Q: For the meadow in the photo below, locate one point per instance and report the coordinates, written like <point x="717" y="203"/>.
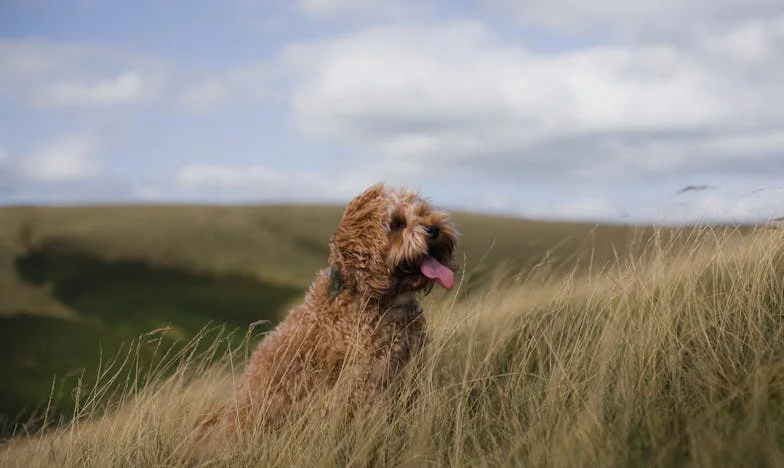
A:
<point x="564" y="344"/>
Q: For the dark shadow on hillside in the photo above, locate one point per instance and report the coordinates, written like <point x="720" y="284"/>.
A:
<point x="117" y="300"/>
<point x="134" y="295"/>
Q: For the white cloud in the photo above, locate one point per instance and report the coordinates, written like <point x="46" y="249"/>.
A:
<point x="55" y="74"/>
<point x="234" y="85"/>
<point x="334" y="6"/>
<point x="747" y="42"/>
<point x="203" y="96"/>
<point x="128" y="87"/>
<point x="588" y="207"/>
<point x="755" y="205"/>
<point x="263" y="183"/>
<point x="456" y="95"/>
<point x="665" y="18"/>
<point x="593" y="208"/>
<point x="67" y="160"/>
<point x="147" y="192"/>
<point x="325" y="8"/>
<point x="228" y="177"/>
<point x="493" y="200"/>
<point x="731" y="204"/>
<point x="65" y="171"/>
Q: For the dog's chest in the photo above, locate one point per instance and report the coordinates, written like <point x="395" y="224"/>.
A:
<point x="400" y="330"/>
<point x="404" y="310"/>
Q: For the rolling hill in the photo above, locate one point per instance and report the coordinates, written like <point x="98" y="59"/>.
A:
<point x="79" y="283"/>
<point x="668" y="353"/>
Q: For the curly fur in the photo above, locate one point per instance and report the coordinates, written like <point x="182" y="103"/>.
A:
<point x="363" y="333"/>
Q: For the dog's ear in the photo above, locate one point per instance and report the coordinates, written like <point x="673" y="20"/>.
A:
<point x="358" y="246"/>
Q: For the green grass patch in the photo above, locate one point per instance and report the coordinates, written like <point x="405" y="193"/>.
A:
<point x="117" y="302"/>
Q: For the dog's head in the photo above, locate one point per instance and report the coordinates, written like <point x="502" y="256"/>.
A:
<point x="390" y="241"/>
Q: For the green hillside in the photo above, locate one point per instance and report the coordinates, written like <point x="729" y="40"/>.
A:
<point x="78" y="283"/>
<point x="673" y="360"/>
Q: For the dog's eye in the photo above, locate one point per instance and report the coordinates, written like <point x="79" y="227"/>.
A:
<point x="397" y="224"/>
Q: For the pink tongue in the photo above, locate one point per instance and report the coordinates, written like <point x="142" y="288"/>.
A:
<point x="434" y="270"/>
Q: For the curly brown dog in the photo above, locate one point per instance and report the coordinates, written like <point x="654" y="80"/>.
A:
<point x="360" y="322"/>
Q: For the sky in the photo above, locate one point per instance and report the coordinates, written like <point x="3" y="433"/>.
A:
<point x="560" y="109"/>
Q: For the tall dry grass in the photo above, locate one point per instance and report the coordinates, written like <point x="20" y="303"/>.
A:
<point x="676" y="359"/>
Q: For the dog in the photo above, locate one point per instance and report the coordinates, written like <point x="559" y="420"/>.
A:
<point x="360" y="322"/>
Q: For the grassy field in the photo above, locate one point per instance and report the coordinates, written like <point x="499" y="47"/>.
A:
<point x="79" y="283"/>
<point x="672" y="358"/>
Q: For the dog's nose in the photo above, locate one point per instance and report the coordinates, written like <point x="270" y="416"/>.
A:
<point x="432" y="231"/>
